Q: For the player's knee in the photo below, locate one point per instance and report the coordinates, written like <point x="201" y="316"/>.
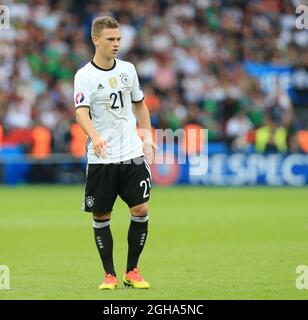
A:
<point x="140" y="210"/>
<point x="103" y="216"/>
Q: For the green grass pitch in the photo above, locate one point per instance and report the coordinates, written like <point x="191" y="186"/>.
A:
<point x="204" y="243"/>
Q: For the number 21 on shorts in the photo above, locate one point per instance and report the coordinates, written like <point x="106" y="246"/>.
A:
<point x="147" y="185"/>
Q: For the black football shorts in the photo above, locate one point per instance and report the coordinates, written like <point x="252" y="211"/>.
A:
<point x="131" y="180"/>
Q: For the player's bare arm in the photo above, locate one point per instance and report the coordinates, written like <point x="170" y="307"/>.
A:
<point x="99" y="144"/>
<point x="143" y="117"/>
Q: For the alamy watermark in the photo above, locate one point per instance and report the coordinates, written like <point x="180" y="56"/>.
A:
<point x="181" y="146"/>
<point x="301" y="21"/>
<point x="4" y="17"/>
<point x="302" y="280"/>
<point x="4" y="277"/>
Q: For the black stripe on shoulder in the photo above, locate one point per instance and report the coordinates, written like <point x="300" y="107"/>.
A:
<point x="83" y="106"/>
<point x="138" y="101"/>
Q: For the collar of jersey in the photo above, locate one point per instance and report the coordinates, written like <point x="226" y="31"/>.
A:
<point x="96" y="66"/>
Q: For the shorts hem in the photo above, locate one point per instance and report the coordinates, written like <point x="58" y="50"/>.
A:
<point x="99" y="211"/>
<point x="137" y="203"/>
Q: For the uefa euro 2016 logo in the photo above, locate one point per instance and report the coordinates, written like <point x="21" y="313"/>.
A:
<point x="302" y="20"/>
<point x="4" y="277"/>
<point x="4" y="17"/>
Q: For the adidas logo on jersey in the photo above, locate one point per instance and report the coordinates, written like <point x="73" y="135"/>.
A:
<point x="100" y="87"/>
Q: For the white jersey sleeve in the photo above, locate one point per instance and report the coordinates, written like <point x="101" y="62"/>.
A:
<point x="82" y="93"/>
<point x="136" y="92"/>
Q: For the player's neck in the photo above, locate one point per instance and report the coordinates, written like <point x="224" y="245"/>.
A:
<point x="103" y="62"/>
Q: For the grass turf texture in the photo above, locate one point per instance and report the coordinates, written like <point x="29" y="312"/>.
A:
<point x="204" y="243"/>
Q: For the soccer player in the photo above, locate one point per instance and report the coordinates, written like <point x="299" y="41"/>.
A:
<point x="108" y="100"/>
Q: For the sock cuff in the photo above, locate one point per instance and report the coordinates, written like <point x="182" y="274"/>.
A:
<point x="140" y="219"/>
<point x="101" y="223"/>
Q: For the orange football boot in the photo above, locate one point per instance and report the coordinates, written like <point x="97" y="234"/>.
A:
<point x="110" y="282"/>
<point x="135" y="280"/>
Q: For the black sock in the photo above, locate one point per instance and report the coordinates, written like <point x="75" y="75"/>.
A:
<point x="137" y="235"/>
<point x="104" y="243"/>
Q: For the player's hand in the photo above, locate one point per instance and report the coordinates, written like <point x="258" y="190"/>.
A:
<point x="99" y="147"/>
<point x="149" y="148"/>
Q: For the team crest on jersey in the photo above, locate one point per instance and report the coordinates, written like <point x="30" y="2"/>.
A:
<point x="89" y="201"/>
<point x="125" y="79"/>
<point x="79" y="97"/>
<point x="113" y="82"/>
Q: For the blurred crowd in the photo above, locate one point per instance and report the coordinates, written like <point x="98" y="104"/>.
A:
<point x="188" y="54"/>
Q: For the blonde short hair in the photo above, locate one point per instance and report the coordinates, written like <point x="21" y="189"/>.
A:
<point x="101" y="23"/>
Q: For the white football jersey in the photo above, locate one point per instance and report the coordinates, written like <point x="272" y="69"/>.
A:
<point x="109" y="95"/>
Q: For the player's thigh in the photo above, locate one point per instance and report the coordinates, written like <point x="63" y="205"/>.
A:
<point x="135" y="182"/>
<point x="101" y="188"/>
